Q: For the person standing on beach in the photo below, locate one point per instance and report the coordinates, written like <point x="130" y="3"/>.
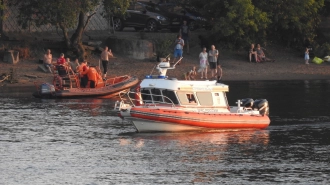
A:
<point x="213" y="57"/>
<point x="203" y="63"/>
<point x="106" y="53"/>
<point x="179" y="43"/>
<point x="48" y="58"/>
<point x="306" y="56"/>
<point x="185" y="33"/>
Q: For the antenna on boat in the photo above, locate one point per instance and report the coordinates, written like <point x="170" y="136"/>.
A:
<point x="164" y="66"/>
<point x="153" y="69"/>
<point x="178" y="61"/>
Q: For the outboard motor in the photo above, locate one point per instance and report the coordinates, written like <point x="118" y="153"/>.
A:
<point x="247" y="102"/>
<point x="47" y="89"/>
<point x="261" y="105"/>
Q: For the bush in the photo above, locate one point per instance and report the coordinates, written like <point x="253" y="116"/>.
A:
<point x="323" y="50"/>
<point x="163" y="44"/>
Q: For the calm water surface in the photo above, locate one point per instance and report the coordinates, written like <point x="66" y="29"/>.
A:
<point x="83" y="142"/>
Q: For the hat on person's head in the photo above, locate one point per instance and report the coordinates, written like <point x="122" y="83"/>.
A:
<point x="62" y="54"/>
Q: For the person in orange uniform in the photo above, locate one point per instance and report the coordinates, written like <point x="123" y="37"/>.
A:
<point x="92" y="76"/>
<point x="82" y="70"/>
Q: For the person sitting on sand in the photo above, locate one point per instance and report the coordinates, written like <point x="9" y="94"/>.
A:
<point x="261" y="57"/>
<point x="190" y="75"/>
<point x="252" y="53"/>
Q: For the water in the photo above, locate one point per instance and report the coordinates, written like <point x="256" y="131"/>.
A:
<point x="83" y="142"/>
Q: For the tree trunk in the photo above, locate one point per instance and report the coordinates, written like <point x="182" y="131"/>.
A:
<point x="76" y="38"/>
<point x="65" y="34"/>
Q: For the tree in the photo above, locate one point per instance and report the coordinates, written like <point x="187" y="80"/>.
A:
<point x="293" y="21"/>
<point x="235" y="22"/>
<point x="115" y="7"/>
<point x="64" y="14"/>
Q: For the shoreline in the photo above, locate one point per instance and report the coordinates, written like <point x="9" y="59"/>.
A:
<point x="289" y="65"/>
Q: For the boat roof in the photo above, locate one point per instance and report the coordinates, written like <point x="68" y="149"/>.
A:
<point x="182" y="85"/>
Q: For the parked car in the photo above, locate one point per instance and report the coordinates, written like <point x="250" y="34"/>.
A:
<point x="141" y="15"/>
<point x="196" y="20"/>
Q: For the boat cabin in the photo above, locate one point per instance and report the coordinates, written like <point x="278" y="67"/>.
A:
<point x="184" y="93"/>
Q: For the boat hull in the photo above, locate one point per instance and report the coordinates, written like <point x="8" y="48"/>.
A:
<point x="162" y="120"/>
<point x="102" y="92"/>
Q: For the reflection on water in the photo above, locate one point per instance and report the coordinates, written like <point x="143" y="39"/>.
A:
<point x="81" y="141"/>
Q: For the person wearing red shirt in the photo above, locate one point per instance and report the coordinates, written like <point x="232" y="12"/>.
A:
<point x="61" y="60"/>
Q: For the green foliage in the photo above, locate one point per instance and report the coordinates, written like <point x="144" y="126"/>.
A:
<point x="163" y="44"/>
<point x="115" y="7"/>
<point x="323" y="50"/>
<point x="42" y="12"/>
<point x="235" y="22"/>
<point x="238" y="22"/>
<point x="293" y="21"/>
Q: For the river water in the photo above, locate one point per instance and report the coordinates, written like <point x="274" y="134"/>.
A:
<point x="81" y="141"/>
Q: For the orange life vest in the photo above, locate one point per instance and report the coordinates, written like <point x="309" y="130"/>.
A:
<point x="80" y="68"/>
<point x="92" y="74"/>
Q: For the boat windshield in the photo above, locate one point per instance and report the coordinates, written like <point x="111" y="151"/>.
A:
<point x="159" y="96"/>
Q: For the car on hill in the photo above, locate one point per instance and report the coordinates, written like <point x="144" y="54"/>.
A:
<point x="195" y="19"/>
<point x="150" y="16"/>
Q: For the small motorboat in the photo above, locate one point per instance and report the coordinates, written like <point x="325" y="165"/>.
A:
<point x="68" y="86"/>
<point x="163" y="104"/>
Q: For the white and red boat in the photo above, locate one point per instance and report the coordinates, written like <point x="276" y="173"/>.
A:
<point x="163" y="104"/>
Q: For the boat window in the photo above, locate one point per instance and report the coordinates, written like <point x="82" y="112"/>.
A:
<point x="219" y="99"/>
<point x="186" y="98"/>
<point x="156" y="95"/>
<point x="205" y="98"/>
<point x="171" y="95"/>
<point x="146" y="95"/>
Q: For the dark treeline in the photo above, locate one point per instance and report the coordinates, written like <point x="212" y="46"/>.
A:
<point x="292" y="23"/>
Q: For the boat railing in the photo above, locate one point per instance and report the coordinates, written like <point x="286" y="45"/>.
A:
<point x="135" y="98"/>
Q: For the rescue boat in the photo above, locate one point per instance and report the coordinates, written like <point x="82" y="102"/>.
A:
<point x="68" y="86"/>
<point x="163" y="104"/>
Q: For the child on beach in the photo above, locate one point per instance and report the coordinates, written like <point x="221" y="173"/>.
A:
<point x="219" y="74"/>
<point x="190" y="75"/>
<point x="306" y="56"/>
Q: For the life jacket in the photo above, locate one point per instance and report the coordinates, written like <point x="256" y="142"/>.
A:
<point x="80" y="68"/>
<point x="92" y="74"/>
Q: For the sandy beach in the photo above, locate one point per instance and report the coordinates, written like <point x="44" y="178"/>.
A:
<point x="289" y="65"/>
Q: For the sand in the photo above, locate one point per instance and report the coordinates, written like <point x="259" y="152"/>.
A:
<point x="289" y="65"/>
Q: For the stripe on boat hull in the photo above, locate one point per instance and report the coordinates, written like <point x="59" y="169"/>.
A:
<point x="155" y="120"/>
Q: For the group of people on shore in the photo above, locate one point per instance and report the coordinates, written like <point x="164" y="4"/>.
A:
<point x="89" y="75"/>
<point x="258" y="54"/>
<point x="206" y="59"/>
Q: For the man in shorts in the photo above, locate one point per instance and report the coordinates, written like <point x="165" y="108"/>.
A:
<point x="106" y="53"/>
<point x="213" y="57"/>
<point x="179" y="43"/>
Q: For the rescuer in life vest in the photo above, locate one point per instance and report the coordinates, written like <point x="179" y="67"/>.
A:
<point x="82" y="70"/>
<point x="93" y="76"/>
